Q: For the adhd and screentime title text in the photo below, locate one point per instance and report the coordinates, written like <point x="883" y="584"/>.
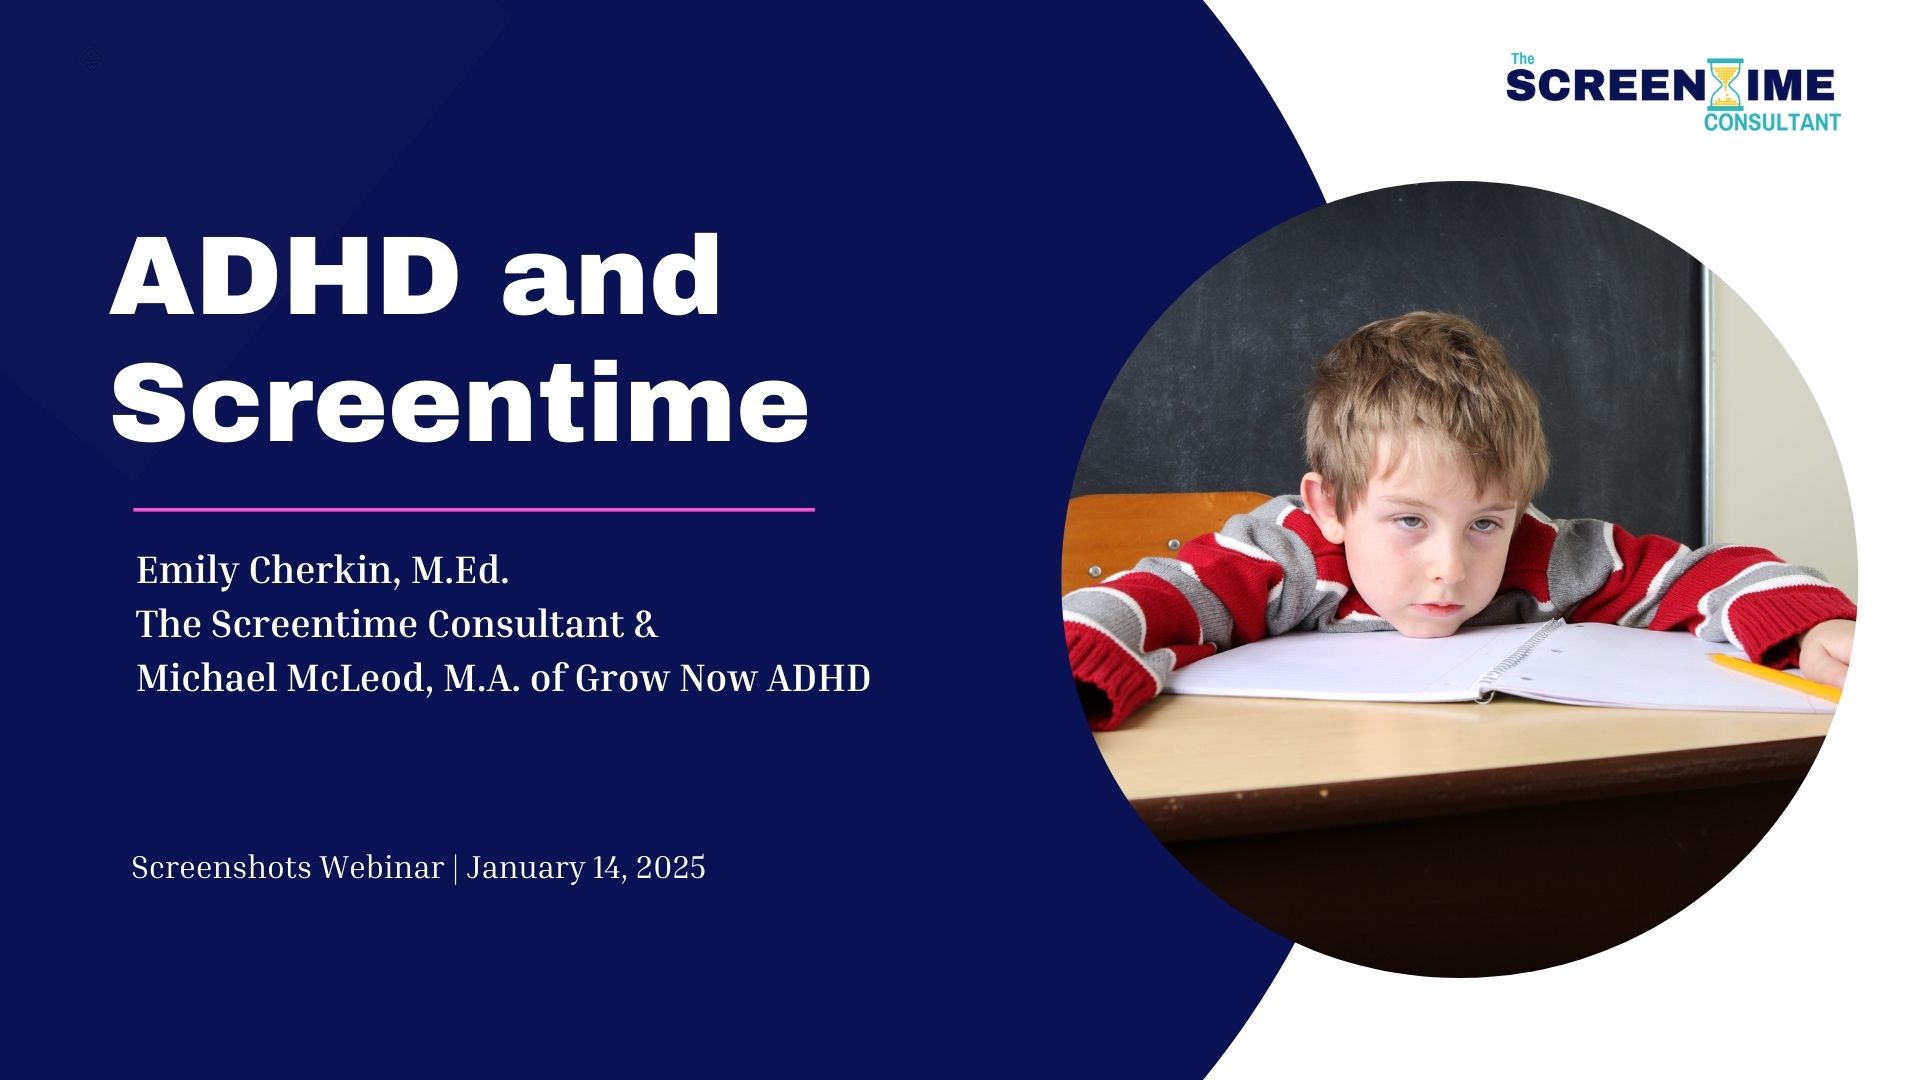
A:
<point x="424" y="410"/>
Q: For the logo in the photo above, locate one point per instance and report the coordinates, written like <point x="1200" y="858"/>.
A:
<point x="1726" y="70"/>
<point x="1738" y="97"/>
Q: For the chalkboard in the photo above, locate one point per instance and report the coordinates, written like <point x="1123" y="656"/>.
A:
<point x="1600" y="314"/>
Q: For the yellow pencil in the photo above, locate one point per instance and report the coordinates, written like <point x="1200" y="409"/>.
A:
<point x="1805" y="686"/>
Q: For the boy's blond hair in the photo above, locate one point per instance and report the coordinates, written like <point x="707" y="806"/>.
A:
<point x="1425" y="379"/>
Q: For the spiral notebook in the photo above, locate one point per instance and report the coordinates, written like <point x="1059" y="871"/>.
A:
<point x="1562" y="662"/>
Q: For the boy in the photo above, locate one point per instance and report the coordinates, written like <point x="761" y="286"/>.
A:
<point x="1426" y="451"/>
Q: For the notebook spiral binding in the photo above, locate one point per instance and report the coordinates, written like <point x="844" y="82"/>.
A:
<point x="1514" y="659"/>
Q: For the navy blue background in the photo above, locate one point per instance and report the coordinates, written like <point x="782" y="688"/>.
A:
<point x="948" y="231"/>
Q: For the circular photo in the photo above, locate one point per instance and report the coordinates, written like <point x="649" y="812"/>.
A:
<point x="1459" y="579"/>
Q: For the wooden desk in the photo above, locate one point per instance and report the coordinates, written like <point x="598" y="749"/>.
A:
<point x="1457" y="839"/>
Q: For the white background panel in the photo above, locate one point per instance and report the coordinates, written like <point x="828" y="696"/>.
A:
<point x="1801" y="960"/>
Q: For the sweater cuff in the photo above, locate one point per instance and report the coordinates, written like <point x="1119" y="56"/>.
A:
<point x="1769" y="623"/>
<point x="1102" y="664"/>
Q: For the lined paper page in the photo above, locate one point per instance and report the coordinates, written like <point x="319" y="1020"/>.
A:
<point x="1379" y="666"/>
<point x="1601" y="664"/>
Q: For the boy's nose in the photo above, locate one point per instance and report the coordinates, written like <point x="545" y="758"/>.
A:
<point x="1449" y="566"/>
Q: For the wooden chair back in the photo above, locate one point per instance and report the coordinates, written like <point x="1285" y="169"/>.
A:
<point x="1109" y="533"/>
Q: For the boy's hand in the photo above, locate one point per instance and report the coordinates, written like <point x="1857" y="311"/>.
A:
<point x="1826" y="650"/>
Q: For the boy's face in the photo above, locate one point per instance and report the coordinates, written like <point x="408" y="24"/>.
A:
<point x="1425" y="549"/>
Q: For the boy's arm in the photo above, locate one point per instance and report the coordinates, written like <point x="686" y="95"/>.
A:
<point x="1254" y="577"/>
<point x="1746" y="596"/>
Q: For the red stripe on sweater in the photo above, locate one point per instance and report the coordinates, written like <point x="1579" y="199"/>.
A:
<point x="1241" y="582"/>
<point x="1769" y="622"/>
<point x="1641" y="560"/>
<point x="1680" y="608"/>
<point x="1170" y="618"/>
<point x="1099" y="661"/>
<point x="1352" y="604"/>
<point x="1527" y="558"/>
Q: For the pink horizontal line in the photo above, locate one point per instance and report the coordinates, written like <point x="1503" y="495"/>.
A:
<point x="473" y="509"/>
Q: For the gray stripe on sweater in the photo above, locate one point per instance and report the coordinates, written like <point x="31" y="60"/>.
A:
<point x="1297" y="599"/>
<point x="1110" y="611"/>
<point x="1715" y="628"/>
<point x="1117" y="616"/>
<point x="1581" y="562"/>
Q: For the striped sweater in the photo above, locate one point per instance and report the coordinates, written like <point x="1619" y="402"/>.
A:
<point x="1271" y="571"/>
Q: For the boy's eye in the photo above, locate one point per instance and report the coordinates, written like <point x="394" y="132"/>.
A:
<point x="1486" y="525"/>
<point x="1408" y="521"/>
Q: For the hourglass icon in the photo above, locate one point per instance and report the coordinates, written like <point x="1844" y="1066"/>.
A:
<point x="1726" y="70"/>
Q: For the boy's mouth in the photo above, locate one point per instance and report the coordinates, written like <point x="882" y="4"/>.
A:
<point x="1437" y="610"/>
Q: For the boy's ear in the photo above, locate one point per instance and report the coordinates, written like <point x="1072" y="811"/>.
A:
<point x="1318" y="495"/>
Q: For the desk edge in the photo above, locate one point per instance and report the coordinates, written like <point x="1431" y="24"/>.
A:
<point x="1177" y="819"/>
